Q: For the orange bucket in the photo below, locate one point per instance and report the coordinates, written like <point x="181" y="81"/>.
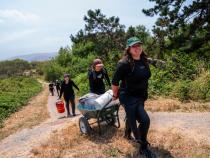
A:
<point x="60" y="106"/>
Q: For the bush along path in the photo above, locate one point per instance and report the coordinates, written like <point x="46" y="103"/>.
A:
<point x="27" y="116"/>
<point x="15" y="92"/>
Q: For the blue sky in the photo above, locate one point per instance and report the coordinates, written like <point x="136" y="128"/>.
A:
<point x="38" y="26"/>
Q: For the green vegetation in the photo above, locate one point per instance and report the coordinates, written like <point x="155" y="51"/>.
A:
<point x="14" y="67"/>
<point x="15" y="93"/>
<point x="19" y="67"/>
<point x="15" y="88"/>
<point x="180" y="38"/>
<point x="182" y="25"/>
<point x="183" y="77"/>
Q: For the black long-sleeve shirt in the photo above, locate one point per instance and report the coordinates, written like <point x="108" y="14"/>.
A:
<point x="51" y="86"/>
<point x="134" y="80"/>
<point x="57" y="84"/>
<point x="96" y="81"/>
<point x="67" y="89"/>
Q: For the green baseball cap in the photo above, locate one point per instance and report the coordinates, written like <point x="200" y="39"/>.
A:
<point x="133" y="40"/>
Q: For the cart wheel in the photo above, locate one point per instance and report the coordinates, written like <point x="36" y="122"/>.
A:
<point x="111" y="121"/>
<point x="84" y="125"/>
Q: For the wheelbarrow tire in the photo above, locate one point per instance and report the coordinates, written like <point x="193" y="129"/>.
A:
<point x="84" y="126"/>
<point x="111" y="122"/>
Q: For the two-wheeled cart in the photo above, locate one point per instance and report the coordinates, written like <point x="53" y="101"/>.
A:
<point x="108" y="114"/>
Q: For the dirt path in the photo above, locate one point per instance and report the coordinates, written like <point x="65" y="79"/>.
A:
<point x="172" y="135"/>
<point x="21" y="143"/>
<point x="192" y="126"/>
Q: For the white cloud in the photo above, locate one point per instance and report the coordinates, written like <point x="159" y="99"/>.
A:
<point x="16" y="15"/>
<point x="7" y="38"/>
<point x="1" y="21"/>
<point x="52" y="39"/>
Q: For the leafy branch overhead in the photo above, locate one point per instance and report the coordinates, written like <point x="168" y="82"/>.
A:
<point x="104" y="33"/>
<point x="184" y="23"/>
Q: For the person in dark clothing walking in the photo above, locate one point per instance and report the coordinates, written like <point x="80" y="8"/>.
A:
<point x="68" y="93"/>
<point x="96" y="75"/>
<point x="156" y="63"/>
<point x="133" y="71"/>
<point x="51" y="88"/>
<point x="58" y="88"/>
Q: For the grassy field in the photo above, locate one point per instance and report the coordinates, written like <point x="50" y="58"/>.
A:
<point x="15" y="93"/>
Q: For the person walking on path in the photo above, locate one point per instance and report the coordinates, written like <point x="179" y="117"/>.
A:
<point x="68" y="93"/>
<point x="96" y="76"/>
<point x="58" y="87"/>
<point x="133" y="71"/>
<point x="51" y="88"/>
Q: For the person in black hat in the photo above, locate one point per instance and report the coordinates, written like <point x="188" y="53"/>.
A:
<point x="68" y="93"/>
<point x="133" y="71"/>
<point x="58" y="88"/>
<point x="96" y="76"/>
<point x="51" y="88"/>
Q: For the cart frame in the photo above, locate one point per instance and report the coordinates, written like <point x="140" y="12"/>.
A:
<point x="108" y="114"/>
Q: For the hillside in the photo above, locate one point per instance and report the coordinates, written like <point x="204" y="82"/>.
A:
<point x="35" y="57"/>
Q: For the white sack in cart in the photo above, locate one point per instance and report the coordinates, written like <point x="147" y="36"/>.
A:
<point x="97" y="101"/>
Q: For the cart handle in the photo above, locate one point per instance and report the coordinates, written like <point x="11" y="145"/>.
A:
<point x="86" y="98"/>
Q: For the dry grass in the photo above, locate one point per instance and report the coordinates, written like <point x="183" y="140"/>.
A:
<point x="31" y="115"/>
<point x="173" y="105"/>
<point x="70" y="143"/>
<point x="178" y="145"/>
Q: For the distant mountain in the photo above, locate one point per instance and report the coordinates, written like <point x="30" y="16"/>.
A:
<point x="35" y="57"/>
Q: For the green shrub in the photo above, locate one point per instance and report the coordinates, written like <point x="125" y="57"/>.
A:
<point x="83" y="49"/>
<point x="13" y="67"/>
<point x="160" y="82"/>
<point x="79" y="65"/>
<point x="15" y="92"/>
<point x="208" y="95"/>
<point x="181" y="66"/>
<point x="53" y="71"/>
<point x="199" y="88"/>
<point x="82" y="82"/>
<point x="181" y="90"/>
<point x="174" y="79"/>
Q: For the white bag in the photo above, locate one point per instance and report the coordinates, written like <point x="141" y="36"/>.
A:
<point x="98" y="101"/>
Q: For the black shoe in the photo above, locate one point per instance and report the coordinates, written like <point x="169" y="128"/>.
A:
<point x="74" y="114"/>
<point x="128" y="137"/>
<point x="147" y="153"/>
<point x="128" y="132"/>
